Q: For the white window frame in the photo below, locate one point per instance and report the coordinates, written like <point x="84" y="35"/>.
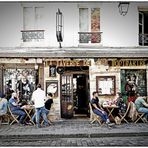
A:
<point x="89" y="24"/>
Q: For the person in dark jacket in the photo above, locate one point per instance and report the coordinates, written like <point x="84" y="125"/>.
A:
<point x="49" y="102"/>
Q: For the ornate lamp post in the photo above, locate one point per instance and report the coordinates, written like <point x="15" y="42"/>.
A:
<point x="123" y="8"/>
<point x="59" y="27"/>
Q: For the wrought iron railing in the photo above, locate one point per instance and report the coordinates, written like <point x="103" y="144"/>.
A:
<point x="32" y="35"/>
<point x="143" y="39"/>
<point x="89" y="37"/>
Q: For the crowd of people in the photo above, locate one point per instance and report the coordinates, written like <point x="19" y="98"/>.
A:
<point x="39" y="100"/>
<point x="140" y="105"/>
<point x="42" y="104"/>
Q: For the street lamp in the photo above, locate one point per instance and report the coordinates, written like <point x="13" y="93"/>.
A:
<point x="59" y="27"/>
<point x="123" y="8"/>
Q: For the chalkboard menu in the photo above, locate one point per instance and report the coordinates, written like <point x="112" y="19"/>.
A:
<point x="133" y="81"/>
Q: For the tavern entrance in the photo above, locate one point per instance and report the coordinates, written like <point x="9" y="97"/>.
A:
<point x="75" y="92"/>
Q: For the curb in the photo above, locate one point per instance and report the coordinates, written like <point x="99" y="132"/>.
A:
<point x="83" y="135"/>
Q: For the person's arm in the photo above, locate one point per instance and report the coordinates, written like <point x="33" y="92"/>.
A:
<point x="14" y="104"/>
<point x="95" y="106"/>
<point x="145" y="104"/>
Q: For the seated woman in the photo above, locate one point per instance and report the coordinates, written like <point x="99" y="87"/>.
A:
<point x="120" y="103"/>
<point x="97" y="109"/>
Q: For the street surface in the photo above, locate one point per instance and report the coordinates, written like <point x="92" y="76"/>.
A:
<point x="108" y="141"/>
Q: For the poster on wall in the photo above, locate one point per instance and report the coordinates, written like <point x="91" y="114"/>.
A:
<point x="52" y="71"/>
<point x="52" y="87"/>
<point x="133" y="82"/>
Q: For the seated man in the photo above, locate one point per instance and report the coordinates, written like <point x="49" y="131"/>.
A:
<point x="97" y="109"/>
<point x="3" y="104"/>
<point x="16" y="109"/>
<point x="142" y="106"/>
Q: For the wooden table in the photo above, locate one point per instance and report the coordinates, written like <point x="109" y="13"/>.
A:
<point x="28" y="109"/>
<point x="110" y="110"/>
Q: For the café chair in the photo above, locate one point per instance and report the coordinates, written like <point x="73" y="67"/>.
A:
<point x="4" y="119"/>
<point x="13" y="117"/>
<point x="140" y="117"/>
<point x="124" y="115"/>
<point x="94" y="117"/>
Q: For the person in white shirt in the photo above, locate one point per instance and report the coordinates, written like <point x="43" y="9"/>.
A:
<point x="39" y="98"/>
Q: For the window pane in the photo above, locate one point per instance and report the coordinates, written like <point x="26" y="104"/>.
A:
<point x="39" y="18"/>
<point x="95" y="24"/>
<point x="83" y="16"/>
<point x="95" y="19"/>
<point x="28" y="18"/>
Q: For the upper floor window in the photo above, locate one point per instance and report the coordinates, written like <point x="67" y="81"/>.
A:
<point x="33" y="24"/>
<point x="89" y="25"/>
<point x="143" y="29"/>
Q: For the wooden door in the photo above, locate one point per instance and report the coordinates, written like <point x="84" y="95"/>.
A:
<point x="67" y="96"/>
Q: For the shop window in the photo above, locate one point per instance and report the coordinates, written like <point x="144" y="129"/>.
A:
<point x="133" y="82"/>
<point x="89" y="25"/>
<point x="143" y="29"/>
<point x="21" y="81"/>
<point x="33" y="24"/>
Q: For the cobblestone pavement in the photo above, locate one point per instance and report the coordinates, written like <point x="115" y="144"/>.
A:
<point x="75" y="133"/>
<point x="109" y="141"/>
<point x="75" y="128"/>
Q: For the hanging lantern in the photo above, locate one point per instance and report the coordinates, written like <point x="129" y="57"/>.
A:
<point x="59" y="27"/>
<point x="123" y="8"/>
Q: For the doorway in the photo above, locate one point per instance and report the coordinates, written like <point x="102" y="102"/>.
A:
<point x="75" y="93"/>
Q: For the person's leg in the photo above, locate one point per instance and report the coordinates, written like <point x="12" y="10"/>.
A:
<point x="37" y="113"/>
<point x="99" y="113"/>
<point x="44" y="113"/>
<point x="4" y="108"/>
<point x="144" y="110"/>
<point x="34" y="117"/>
<point x="21" y="114"/>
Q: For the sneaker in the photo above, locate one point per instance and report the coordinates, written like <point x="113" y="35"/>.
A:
<point x="110" y="124"/>
<point x="38" y="126"/>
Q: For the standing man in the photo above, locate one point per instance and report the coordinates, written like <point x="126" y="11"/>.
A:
<point x="97" y="109"/>
<point x="39" y="97"/>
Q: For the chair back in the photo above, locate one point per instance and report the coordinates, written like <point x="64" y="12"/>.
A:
<point x="127" y="110"/>
<point x="15" y="117"/>
<point x="9" y="111"/>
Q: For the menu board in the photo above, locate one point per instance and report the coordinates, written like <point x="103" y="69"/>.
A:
<point x="105" y="85"/>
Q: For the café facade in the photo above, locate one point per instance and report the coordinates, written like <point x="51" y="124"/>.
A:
<point x="72" y="49"/>
<point x="73" y="79"/>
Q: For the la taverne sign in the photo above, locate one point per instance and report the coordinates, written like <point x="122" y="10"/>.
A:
<point x="67" y="62"/>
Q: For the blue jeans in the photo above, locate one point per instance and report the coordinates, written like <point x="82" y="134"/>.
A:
<point x="41" y="112"/>
<point x="21" y="114"/>
<point x="34" y="116"/>
<point x="144" y="110"/>
<point x="104" y="116"/>
<point x="3" y="108"/>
